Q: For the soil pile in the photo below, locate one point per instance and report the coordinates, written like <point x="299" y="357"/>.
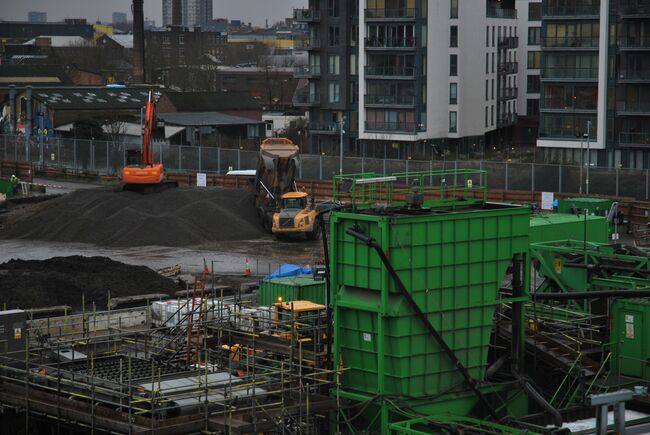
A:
<point x="174" y="217"/>
<point x="62" y="280"/>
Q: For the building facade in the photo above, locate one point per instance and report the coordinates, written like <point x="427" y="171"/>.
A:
<point x="119" y="18"/>
<point x="596" y="82"/>
<point x="411" y="77"/>
<point x="195" y="12"/>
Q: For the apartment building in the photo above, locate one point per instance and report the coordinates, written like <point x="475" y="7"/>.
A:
<point x="195" y="12"/>
<point x="416" y="78"/>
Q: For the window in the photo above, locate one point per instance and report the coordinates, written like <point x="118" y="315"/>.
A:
<point x="534" y="59"/>
<point x="492" y="63"/>
<point x="334" y="36"/>
<point x="534" y="35"/>
<point x="492" y="89"/>
<point x="487" y="90"/>
<point x="453" y="65"/>
<point x="453" y="9"/>
<point x="333" y="8"/>
<point x="354" y="92"/>
<point x="487" y="63"/>
<point x="532" y="107"/>
<point x="353" y="64"/>
<point x="486" y="116"/>
<point x="181" y="39"/>
<point x="334" y="92"/>
<point x="334" y="64"/>
<point x="532" y="85"/>
<point x="453" y="122"/>
<point x="492" y="36"/>
<point x="453" y="93"/>
<point x="487" y="36"/>
<point x="492" y="115"/>
<point x="453" y="36"/>
<point x="534" y="11"/>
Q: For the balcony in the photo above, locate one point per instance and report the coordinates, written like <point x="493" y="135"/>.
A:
<point x="306" y="100"/>
<point x="306" y="15"/>
<point x="394" y="127"/>
<point x="571" y="42"/>
<point x="634" y="108"/>
<point x="390" y="43"/>
<point x="633" y="76"/>
<point x="395" y="72"/>
<point x="324" y="127"/>
<point x="508" y="93"/>
<point x="564" y="74"/>
<point x="306" y="71"/>
<point x="634" y="43"/>
<point x="307" y="44"/>
<point x="508" y="67"/>
<point x="506" y="120"/>
<point x="494" y="11"/>
<point x="390" y="100"/>
<point x="509" y="42"/>
<point x="571" y="9"/>
<point x="634" y="139"/>
<point x="390" y="14"/>
<point x="634" y="9"/>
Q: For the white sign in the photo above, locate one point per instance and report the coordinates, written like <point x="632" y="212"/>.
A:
<point x="367" y="337"/>
<point x="547" y="200"/>
<point x="201" y="180"/>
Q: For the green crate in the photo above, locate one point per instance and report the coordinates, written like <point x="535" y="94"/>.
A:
<point x="297" y="288"/>
<point x="596" y="206"/>
<point x="630" y="337"/>
<point x="549" y="227"/>
<point x="8" y="188"/>
<point x="452" y="262"/>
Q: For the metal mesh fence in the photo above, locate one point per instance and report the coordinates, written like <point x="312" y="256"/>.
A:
<point x="108" y="158"/>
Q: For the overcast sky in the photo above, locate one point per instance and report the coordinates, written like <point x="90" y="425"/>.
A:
<point x="248" y="10"/>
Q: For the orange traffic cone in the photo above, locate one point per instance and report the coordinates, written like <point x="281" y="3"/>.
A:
<point x="248" y="272"/>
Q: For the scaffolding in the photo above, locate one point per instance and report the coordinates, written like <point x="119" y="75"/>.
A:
<point x="250" y="369"/>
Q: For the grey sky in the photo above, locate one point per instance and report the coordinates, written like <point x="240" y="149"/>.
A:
<point x="248" y="10"/>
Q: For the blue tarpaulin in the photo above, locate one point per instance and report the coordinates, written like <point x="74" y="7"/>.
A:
<point x="289" y="270"/>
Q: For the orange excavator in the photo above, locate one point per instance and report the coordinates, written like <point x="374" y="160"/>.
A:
<point x="141" y="173"/>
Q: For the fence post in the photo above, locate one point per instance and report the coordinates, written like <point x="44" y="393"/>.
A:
<point x="363" y="165"/>
<point x="647" y="184"/>
<point x="92" y="155"/>
<point x="384" y="166"/>
<point x="616" y="172"/>
<point x="532" y="177"/>
<point x="320" y="167"/>
<point x="239" y="156"/>
<point x="200" y="152"/>
<point x="506" y="177"/>
<point x="108" y="158"/>
<point x="74" y="154"/>
<point x="180" y="158"/>
<point x="219" y="160"/>
<point x="559" y="187"/>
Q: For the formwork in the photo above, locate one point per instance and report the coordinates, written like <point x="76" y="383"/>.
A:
<point x="452" y="260"/>
<point x="295" y="288"/>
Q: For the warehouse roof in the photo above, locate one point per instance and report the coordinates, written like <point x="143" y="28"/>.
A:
<point x="211" y="101"/>
<point x="35" y="75"/>
<point x="92" y="98"/>
<point x="203" y="119"/>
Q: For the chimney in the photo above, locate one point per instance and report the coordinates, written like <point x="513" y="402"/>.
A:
<point x="177" y="13"/>
<point x="138" y="42"/>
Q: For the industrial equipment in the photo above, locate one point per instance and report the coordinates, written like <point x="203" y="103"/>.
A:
<point x="297" y="215"/>
<point x="142" y="174"/>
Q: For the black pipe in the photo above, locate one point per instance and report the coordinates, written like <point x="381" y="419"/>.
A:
<point x="328" y="305"/>
<point x="533" y="394"/>
<point x="639" y="293"/>
<point x="517" y="352"/>
<point x="471" y="382"/>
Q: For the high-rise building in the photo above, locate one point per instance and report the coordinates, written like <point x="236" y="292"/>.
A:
<point x="409" y="74"/>
<point x="595" y="81"/>
<point x="119" y="18"/>
<point x="195" y="12"/>
<point x="37" y="17"/>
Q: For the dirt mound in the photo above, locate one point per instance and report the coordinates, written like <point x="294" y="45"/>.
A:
<point x="62" y="280"/>
<point x="175" y="217"/>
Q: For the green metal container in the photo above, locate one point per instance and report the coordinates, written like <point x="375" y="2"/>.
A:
<point x="549" y="227"/>
<point x="452" y="262"/>
<point x="296" y="288"/>
<point x="630" y="337"/>
<point x="8" y="188"/>
<point x="596" y="206"/>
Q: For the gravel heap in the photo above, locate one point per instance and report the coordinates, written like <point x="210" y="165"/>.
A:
<point x="62" y="280"/>
<point x="174" y="217"/>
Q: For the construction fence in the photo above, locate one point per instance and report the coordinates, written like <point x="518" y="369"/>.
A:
<point x="106" y="158"/>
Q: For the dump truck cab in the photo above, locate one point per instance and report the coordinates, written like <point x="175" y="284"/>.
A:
<point x="296" y="215"/>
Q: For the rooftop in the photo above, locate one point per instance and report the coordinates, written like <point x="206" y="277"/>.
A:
<point x="92" y="98"/>
<point x="204" y="119"/>
<point x="211" y="101"/>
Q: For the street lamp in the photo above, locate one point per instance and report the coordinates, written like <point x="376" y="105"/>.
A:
<point x="341" y="125"/>
<point x="588" y="156"/>
<point x="582" y="163"/>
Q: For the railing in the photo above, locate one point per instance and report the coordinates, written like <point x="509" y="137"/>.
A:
<point x="634" y="42"/>
<point x="390" y="43"/>
<point x="306" y="71"/>
<point x="571" y="8"/>
<point x="509" y="42"/>
<point x="306" y="99"/>
<point x="508" y="93"/>
<point x="390" y="71"/>
<point x="496" y="12"/>
<point x="633" y="8"/>
<point x="390" y="100"/>
<point x="390" y="13"/>
<point x="633" y="107"/>
<point x="569" y="73"/>
<point x="327" y="127"/>
<point x="634" y="139"/>
<point x="561" y="104"/>
<point x="508" y="67"/>
<point x="393" y="127"/>
<point x="506" y="120"/>
<point x="570" y="42"/>
<point x="306" y="14"/>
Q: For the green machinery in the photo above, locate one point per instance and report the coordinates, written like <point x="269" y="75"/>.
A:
<point x="548" y="227"/>
<point x="295" y="288"/>
<point x="417" y="265"/>
<point x="595" y="206"/>
<point x="8" y="187"/>
<point x="630" y="337"/>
